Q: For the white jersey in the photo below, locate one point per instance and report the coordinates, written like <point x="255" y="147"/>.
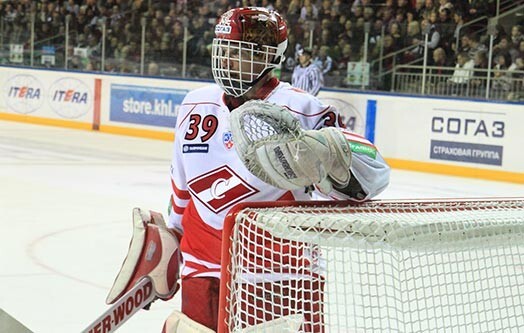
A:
<point x="208" y="178"/>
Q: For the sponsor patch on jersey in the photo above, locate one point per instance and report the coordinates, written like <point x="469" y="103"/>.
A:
<point x="196" y="148"/>
<point x="364" y="149"/>
<point x="227" y="139"/>
<point x="222" y="29"/>
<point x="220" y="188"/>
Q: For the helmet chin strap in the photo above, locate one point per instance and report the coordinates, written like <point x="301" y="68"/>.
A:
<point x="257" y="80"/>
<point x="263" y="90"/>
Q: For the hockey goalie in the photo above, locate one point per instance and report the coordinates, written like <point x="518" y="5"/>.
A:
<point x="216" y="164"/>
<point x="247" y="138"/>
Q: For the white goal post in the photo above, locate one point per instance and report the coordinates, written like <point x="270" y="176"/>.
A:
<point x="454" y="265"/>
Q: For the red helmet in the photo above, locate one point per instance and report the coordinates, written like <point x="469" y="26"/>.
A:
<point x="249" y="43"/>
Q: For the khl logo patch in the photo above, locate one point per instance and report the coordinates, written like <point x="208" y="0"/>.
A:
<point x="227" y="139"/>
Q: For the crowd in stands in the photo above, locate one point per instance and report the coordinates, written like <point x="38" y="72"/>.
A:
<point x="334" y="29"/>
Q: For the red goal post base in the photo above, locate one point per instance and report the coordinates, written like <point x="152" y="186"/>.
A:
<point x="369" y="228"/>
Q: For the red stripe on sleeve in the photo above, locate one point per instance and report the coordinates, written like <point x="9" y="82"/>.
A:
<point x="177" y="209"/>
<point x="183" y="195"/>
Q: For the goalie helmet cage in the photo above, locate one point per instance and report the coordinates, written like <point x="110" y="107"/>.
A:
<point x="454" y="265"/>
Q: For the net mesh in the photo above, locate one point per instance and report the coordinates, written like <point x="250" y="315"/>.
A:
<point x="448" y="266"/>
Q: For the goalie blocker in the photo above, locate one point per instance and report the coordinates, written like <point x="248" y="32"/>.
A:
<point x="154" y="253"/>
<point x="150" y="271"/>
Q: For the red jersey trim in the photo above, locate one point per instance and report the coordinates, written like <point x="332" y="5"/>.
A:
<point x="187" y="115"/>
<point x="177" y="209"/>
<point x="353" y="134"/>
<point x="288" y="196"/>
<point x="181" y="194"/>
<point x="307" y="115"/>
<point x="198" y="269"/>
<point x="201" y="103"/>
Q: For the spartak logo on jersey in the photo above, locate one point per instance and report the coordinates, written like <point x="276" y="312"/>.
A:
<point x="227" y="139"/>
<point x="220" y="188"/>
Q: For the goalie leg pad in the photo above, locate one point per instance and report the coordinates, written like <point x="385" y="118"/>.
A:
<point x="177" y="322"/>
<point x="153" y="252"/>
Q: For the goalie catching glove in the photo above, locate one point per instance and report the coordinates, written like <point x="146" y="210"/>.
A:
<point x="273" y="146"/>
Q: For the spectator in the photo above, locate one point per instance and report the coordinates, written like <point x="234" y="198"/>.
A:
<point x="345" y="57"/>
<point x="403" y="7"/>
<point x="446" y="29"/>
<point x="440" y="71"/>
<point x="306" y="75"/>
<point x="445" y="4"/>
<point x="375" y="34"/>
<point x="505" y="46"/>
<point x="521" y="49"/>
<point x="358" y="12"/>
<point x="153" y="69"/>
<point x="341" y="6"/>
<point x="441" y="60"/>
<point x="338" y="24"/>
<point x="480" y="62"/>
<point x="395" y="33"/>
<point x="323" y="60"/>
<point x="412" y="36"/>
<point x="473" y="45"/>
<point x="518" y="78"/>
<point x="388" y="48"/>
<point x="369" y="14"/>
<point x="429" y="7"/>
<point x="516" y="36"/>
<point x="357" y="42"/>
<point x="76" y="63"/>
<point x="458" y="19"/>
<point x="477" y="8"/>
<point x="498" y="33"/>
<point x="418" y="11"/>
<point x="480" y="74"/>
<point x="502" y="77"/>
<point x="72" y="7"/>
<point x="93" y="46"/>
<point x="293" y="10"/>
<point x="388" y="6"/>
<point x="325" y="37"/>
<point x="433" y="36"/>
<point x="325" y="10"/>
<point x="387" y="16"/>
<point x="462" y="74"/>
<point x="308" y="12"/>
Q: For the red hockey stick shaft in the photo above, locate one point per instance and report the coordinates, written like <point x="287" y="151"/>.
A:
<point x="138" y="297"/>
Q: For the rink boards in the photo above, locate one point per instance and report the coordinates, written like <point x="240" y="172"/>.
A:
<point x="439" y="135"/>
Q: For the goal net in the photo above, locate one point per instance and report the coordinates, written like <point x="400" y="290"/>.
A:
<point x="380" y="266"/>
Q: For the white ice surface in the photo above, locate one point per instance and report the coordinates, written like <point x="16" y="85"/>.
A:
<point x="65" y="204"/>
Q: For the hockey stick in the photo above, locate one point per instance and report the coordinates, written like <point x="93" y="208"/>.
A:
<point x="138" y="297"/>
<point x="11" y="325"/>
